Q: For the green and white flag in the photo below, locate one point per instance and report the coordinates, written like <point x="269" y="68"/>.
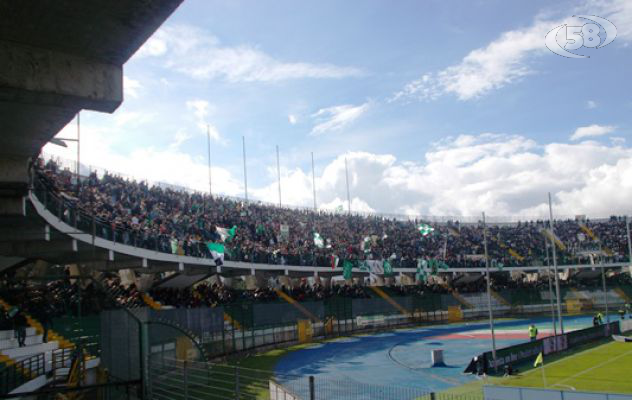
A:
<point x="347" y="269"/>
<point x="421" y="274"/>
<point x="388" y="268"/>
<point x="425" y="229"/>
<point x="217" y="251"/>
<point x="366" y="244"/>
<point x="364" y="267"/>
<point x="498" y="265"/>
<point x="318" y="240"/>
<point x="227" y="234"/>
<point x="435" y="265"/>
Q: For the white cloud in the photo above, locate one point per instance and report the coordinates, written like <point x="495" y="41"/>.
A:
<point x="201" y="110"/>
<point x="131" y="87"/>
<point x="100" y="148"/>
<point x="619" y="12"/>
<point x="337" y="117"/>
<point x="131" y="118"/>
<point x="506" y="59"/>
<point x="590" y="104"/>
<point x="499" y="63"/>
<point x="180" y="137"/>
<point x="197" y="53"/>
<point x="503" y="175"/>
<point x="292" y="119"/>
<point x="591" y="131"/>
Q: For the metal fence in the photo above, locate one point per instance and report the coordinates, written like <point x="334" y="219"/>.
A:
<point x="190" y="380"/>
<point x="518" y="393"/>
<point x="127" y="390"/>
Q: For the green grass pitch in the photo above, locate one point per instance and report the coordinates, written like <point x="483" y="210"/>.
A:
<point x="605" y="368"/>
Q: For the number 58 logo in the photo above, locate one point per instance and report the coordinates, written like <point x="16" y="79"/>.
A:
<point x="588" y="35"/>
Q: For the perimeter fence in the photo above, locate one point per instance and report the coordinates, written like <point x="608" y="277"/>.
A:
<point x="187" y="380"/>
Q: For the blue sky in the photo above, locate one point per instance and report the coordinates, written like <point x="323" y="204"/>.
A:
<point x="440" y="107"/>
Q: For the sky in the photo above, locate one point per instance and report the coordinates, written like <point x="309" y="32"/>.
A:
<point x="440" y="108"/>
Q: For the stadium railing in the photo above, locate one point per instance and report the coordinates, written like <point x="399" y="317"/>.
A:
<point x="527" y="352"/>
<point x="14" y="375"/>
<point x="189" y="380"/>
<point x="123" y="390"/>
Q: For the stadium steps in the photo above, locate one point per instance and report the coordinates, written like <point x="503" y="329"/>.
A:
<point x="85" y="331"/>
<point x="625" y="293"/>
<point x="33" y="323"/>
<point x="390" y="300"/>
<point x="462" y="300"/>
<point x="500" y="299"/>
<point x="232" y="322"/>
<point x="151" y="303"/>
<point x="297" y="305"/>
<point x="479" y="300"/>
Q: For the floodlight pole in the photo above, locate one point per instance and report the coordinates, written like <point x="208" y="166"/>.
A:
<point x="603" y="281"/>
<point x="347" y="180"/>
<point x="548" y="270"/>
<point x="557" y="276"/>
<point x="278" y="173"/>
<point x="489" y="294"/>
<point x="243" y="139"/>
<point x="627" y="228"/>
<point x="208" y="143"/>
<point x="314" y="182"/>
<point x="78" y="148"/>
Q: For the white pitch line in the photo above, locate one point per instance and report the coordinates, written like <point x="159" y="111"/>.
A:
<point x="595" y="367"/>
<point x="563" y="359"/>
<point x="566" y="386"/>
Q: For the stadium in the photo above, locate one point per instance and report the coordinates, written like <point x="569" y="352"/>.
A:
<point x="115" y="284"/>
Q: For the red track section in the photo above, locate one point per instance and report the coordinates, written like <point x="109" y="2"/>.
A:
<point x="474" y="335"/>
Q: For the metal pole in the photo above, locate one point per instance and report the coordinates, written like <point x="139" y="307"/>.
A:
<point x="245" y="172"/>
<point x="557" y="277"/>
<point x="603" y="281"/>
<point x="489" y="294"/>
<point x="312" y="388"/>
<point x="314" y="181"/>
<point x="548" y="264"/>
<point x="627" y="228"/>
<point x="279" y="174"/>
<point x="208" y="142"/>
<point x="78" y="148"/>
<point x="347" y="180"/>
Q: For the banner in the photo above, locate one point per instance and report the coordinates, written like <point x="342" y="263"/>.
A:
<point x="376" y="267"/>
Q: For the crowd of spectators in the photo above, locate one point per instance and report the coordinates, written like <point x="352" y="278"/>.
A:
<point x="181" y="222"/>
<point x="68" y="297"/>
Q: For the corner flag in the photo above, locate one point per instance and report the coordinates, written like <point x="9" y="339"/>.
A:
<point x="538" y="361"/>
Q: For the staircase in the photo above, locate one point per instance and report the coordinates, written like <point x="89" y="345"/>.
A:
<point x="464" y="302"/>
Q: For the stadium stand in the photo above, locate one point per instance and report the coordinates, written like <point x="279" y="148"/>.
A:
<point x="179" y="222"/>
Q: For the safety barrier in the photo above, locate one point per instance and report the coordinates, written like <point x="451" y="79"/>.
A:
<point x="519" y="393"/>
<point x="186" y="380"/>
<point x="529" y="351"/>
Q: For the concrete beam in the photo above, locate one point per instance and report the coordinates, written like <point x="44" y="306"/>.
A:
<point x="40" y="76"/>
<point x="16" y="235"/>
<point x="36" y="249"/>
<point x="12" y="206"/>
